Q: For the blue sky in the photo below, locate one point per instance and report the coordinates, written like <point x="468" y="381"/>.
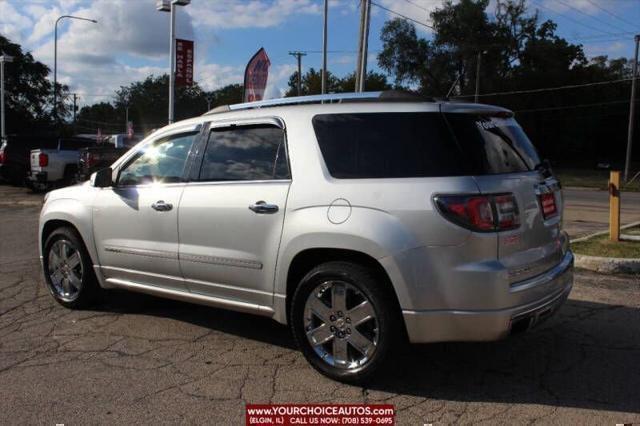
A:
<point x="130" y="40"/>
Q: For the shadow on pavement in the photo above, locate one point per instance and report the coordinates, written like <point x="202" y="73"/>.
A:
<point x="587" y="356"/>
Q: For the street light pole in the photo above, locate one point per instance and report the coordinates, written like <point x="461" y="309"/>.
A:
<point x="55" y="57"/>
<point x="172" y="53"/>
<point x="632" y="110"/>
<point x="3" y="59"/>
<point x="170" y="6"/>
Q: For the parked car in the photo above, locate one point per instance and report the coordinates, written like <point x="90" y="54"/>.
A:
<point x="103" y="155"/>
<point x="14" y="155"/>
<point x="356" y="219"/>
<point x="57" y="166"/>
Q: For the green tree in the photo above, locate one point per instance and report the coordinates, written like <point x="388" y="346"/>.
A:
<point x="519" y="52"/>
<point x="28" y="96"/>
<point x="312" y="83"/>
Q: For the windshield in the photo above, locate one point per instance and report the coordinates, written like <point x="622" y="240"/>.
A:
<point x="493" y="144"/>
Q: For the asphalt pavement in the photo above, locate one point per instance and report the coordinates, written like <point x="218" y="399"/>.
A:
<point x="137" y="358"/>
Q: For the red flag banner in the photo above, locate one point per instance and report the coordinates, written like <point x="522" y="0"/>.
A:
<point x="184" y="62"/>
<point x="255" y="76"/>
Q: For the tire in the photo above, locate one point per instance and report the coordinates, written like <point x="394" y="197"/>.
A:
<point x="73" y="283"/>
<point x="382" y="332"/>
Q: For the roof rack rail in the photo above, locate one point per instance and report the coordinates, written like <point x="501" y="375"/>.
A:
<point x="389" y="95"/>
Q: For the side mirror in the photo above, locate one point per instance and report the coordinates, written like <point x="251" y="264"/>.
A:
<point x="102" y="178"/>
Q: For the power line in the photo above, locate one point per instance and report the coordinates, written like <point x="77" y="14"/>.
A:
<point x="608" y="12"/>
<point x="586" y="14"/>
<point x="402" y="16"/>
<point x="573" y="106"/>
<point x="417" y="5"/>
<point x="549" y="89"/>
<point x="572" y="19"/>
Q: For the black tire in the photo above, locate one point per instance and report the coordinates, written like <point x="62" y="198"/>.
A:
<point x="387" y="317"/>
<point x="90" y="291"/>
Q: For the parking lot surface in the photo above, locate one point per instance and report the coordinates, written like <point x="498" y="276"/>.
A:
<point x="137" y="358"/>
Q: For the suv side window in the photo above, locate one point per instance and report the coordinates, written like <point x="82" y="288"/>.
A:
<point x="387" y="145"/>
<point x="161" y="161"/>
<point x="243" y="153"/>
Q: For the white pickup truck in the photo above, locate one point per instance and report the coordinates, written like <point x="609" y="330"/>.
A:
<point x="56" y="167"/>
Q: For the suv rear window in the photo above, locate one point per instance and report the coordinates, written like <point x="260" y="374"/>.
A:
<point x="493" y="144"/>
<point x="387" y="145"/>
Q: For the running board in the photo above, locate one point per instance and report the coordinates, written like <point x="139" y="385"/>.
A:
<point x="200" y="299"/>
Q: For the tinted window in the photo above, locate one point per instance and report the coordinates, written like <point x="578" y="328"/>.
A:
<point x="161" y="161"/>
<point x="387" y="145"/>
<point x="245" y="153"/>
<point x="493" y="144"/>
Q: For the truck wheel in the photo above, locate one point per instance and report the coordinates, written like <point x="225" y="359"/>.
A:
<point x="68" y="270"/>
<point x="344" y="321"/>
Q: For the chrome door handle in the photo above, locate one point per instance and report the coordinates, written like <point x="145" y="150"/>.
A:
<point x="161" y="206"/>
<point x="262" y="207"/>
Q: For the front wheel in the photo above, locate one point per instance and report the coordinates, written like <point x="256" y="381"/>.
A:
<point x="68" y="270"/>
<point x="344" y="321"/>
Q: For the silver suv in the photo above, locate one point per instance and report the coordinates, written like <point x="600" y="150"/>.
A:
<point x="357" y="219"/>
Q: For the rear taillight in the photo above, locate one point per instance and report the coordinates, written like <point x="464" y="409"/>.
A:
<point x="3" y="157"/>
<point x="91" y="160"/>
<point x="548" y="204"/>
<point x="43" y="160"/>
<point x="481" y="213"/>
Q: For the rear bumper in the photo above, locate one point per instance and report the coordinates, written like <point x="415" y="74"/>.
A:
<point x="488" y="325"/>
<point x="39" y="177"/>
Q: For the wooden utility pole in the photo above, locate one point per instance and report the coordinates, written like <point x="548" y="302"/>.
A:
<point x="75" y="98"/>
<point x="299" y="56"/>
<point x="614" y="205"/>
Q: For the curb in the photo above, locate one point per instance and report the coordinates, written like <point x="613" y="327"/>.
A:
<point x="607" y="265"/>
<point x="597" y="234"/>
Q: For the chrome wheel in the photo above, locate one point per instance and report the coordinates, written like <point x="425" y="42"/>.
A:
<point x="340" y="324"/>
<point x="65" y="270"/>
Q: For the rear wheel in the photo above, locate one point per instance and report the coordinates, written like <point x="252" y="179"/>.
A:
<point x="343" y="320"/>
<point x="68" y="270"/>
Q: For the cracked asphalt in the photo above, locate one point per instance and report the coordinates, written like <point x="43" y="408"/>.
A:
<point x="136" y="358"/>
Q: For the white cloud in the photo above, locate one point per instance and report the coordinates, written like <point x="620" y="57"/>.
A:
<point x="13" y="23"/>
<point x="277" y="84"/>
<point x="214" y="76"/>
<point x="248" y="14"/>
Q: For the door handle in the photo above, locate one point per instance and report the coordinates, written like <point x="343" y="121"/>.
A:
<point x="161" y="206"/>
<point x="262" y="207"/>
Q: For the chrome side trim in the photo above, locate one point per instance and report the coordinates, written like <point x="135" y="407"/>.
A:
<point x="142" y="252"/>
<point x="193" y="298"/>
<point x="225" y="261"/>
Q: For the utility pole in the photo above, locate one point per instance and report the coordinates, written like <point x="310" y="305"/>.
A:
<point x="126" y="118"/>
<point x="632" y="108"/>
<point x="478" y="61"/>
<point x="323" y="88"/>
<point x="365" y="18"/>
<point x="75" y="98"/>
<point x="299" y="56"/>
<point x="3" y="59"/>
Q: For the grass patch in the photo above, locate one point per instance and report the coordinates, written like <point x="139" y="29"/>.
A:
<point x="601" y="246"/>
<point x="589" y="178"/>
